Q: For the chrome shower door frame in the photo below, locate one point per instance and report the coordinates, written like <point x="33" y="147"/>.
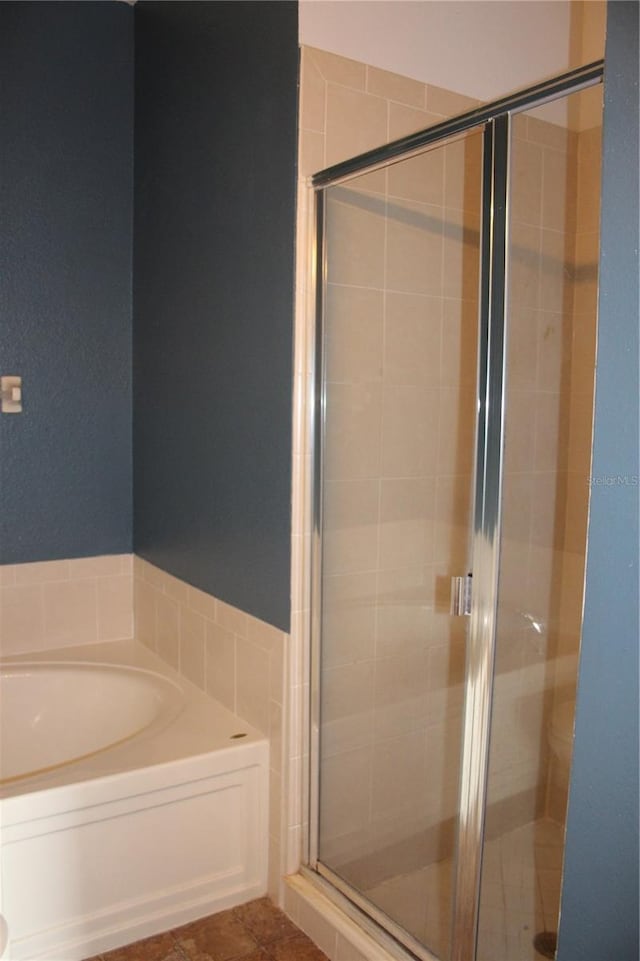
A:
<point x="495" y="120"/>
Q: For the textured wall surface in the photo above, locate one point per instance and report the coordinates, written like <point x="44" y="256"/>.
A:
<point x="215" y="156"/>
<point x="600" y="902"/>
<point x="66" y="74"/>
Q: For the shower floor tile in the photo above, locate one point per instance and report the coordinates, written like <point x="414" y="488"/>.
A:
<point x="520" y="895"/>
<point x="257" y="931"/>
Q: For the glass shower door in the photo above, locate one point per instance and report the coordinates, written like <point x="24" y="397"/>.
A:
<point x="550" y="365"/>
<point x="399" y="388"/>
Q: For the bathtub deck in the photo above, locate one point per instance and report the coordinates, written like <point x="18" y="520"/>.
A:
<point x="176" y="817"/>
<point x="257" y="931"/>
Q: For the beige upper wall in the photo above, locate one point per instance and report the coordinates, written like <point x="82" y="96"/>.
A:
<point x="481" y="48"/>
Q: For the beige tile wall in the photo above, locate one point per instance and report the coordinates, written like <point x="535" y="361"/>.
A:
<point x="236" y="658"/>
<point x="50" y="604"/>
<point x="388" y="485"/>
<point x="540" y="314"/>
<point x="578" y="430"/>
<point x="551" y="366"/>
<point x="401" y="309"/>
<point x="345" y="108"/>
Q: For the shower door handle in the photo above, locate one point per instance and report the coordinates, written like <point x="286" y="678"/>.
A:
<point x="461" y="595"/>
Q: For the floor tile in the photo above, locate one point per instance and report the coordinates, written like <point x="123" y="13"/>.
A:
<point x="265" y="922"/>
<point x="162" y="947"/>
<point x="520" y="894"/>
<point x="221" y="937"/>
<point x="299" y="948"/>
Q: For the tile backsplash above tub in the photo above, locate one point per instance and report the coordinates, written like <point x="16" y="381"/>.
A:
<point x="233" y="656"/>
<point x="50" y="604"/>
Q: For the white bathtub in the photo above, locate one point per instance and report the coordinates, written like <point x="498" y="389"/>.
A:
<point x="129" y="802"/>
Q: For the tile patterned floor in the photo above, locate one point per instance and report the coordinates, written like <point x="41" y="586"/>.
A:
<point x="257" y="931"/>
<point x="520" y="895"/>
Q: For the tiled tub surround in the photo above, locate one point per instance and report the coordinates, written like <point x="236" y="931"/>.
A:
<point x="232" y="656"/>
<point x="157" y="830"/>
<point x="49" y="604"/>
<point x="347" y="107"/>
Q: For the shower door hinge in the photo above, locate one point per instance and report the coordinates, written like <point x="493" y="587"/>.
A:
<point x="461" y="595"/>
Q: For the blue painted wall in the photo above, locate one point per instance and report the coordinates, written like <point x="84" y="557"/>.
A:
<point x="215" y="149"/>
<point x="599" y="918"/>
<point x="66" y="129"/>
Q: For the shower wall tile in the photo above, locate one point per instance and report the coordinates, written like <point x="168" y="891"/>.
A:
<point x="354" y="342"/>
<point x="347" y="714"/>
<point x="311" y="152"/>
<point x="589" y="174"/>
<point x="405" y="120"/>
<point x="462" y="173"/>
<point x="338" y="70"/>
<point x="447" y="103"/>
<point x="412" y="338"/>
<point x="554" y="350"/>
<point x="456" y="430"/>
<point x="458" y="359"/>
<point x="388" y="606"/>
<point x="452" y="520"/>
<point x="355" y="122"/>
<point x="400" y="777"/>
<point x="556" y="254"/>
<point x="419" y="178"/>
<point x="405" y="598"/>
<point x="526" y="168"/>
<point x="523" y="352"/>
<point x="410" y="431"/>
<point x="312" y="96"/>
<point x="406" y="522"/>
<point x="558" y="196"/>
<point x="547" y="134"/>
<point x="580" y="417"/>
<point x="351" y="526"/>
<point x="551" y="433"/>
<point x="356" y="228"/>
<point x="349" y="618"/>
<point x="54" y="604"/>
<point x="353" y="430"/>
<point x="401" y="691"/>
<point x="578" y="489"/>
<point x="460" y="255"/>
<point x="414" y="247"/>
<point x="393" y="86"/>
<point x="381" y="592"/>
<point x="346" y="815"/>
<point x="525" y="266"/>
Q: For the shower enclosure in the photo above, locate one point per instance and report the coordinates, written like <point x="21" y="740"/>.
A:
<point x="455" y="352"/>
